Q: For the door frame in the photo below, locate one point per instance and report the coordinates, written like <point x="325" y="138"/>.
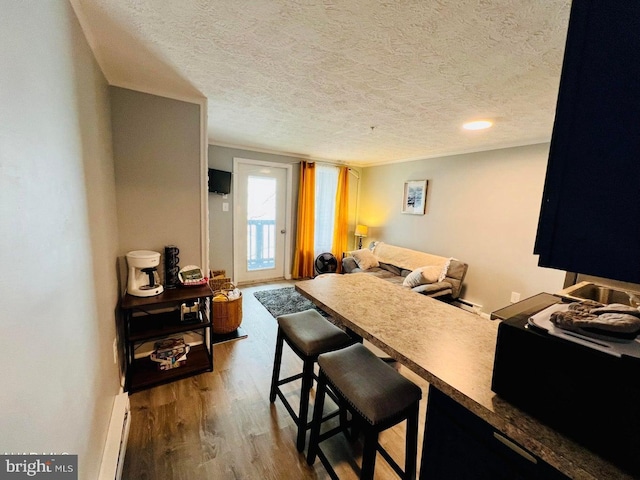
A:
<point x="288" y="208"/>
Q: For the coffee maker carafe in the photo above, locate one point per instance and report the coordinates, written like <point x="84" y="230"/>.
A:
<point x="143" y="273"/>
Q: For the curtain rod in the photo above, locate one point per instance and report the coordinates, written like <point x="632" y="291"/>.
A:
<point x="353" y="172"/>
<point x="322" y="162"/>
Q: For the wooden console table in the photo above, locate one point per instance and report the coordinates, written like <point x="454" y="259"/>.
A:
<point x="453" y="350"/>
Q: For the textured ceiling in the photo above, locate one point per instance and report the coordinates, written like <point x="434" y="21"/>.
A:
<point x="310" y="78"/>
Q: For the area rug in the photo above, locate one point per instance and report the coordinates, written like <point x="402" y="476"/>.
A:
<point x="281" y="301"/>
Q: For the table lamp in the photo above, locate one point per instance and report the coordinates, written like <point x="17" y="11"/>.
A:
<point x="361" y="231"/>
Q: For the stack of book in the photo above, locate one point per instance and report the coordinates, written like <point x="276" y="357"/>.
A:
<point x="170" y="353"/>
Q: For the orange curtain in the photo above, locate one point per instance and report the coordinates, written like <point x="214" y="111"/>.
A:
<point x="303" y="258"/>
<point x="341" y="222"/>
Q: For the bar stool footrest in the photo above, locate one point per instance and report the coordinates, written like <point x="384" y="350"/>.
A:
<point x="392" y="463"/>
<point x="292" y="378"/>
<point x="287" y="406"/>
<point x="327" y="465"/>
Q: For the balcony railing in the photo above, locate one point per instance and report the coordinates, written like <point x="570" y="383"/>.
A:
<point x="261" y="244"/>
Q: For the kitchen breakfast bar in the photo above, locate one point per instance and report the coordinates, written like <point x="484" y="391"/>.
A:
<point x="453" y="350"/>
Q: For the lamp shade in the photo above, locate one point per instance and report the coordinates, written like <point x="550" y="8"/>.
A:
<point x="361" y="230"/>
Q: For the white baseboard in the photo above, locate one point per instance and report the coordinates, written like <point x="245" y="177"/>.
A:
<point x="116" y="445"/>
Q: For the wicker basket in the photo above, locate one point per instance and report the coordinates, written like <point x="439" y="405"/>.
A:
<point x="217" y="273"/>
<point x="218" y="283"/>
<point x="226" y="312"/>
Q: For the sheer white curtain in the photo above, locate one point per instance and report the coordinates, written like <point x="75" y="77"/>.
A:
<point x="326" y="187"/>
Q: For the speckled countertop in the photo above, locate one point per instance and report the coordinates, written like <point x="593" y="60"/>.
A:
<point x="451" y="349"/>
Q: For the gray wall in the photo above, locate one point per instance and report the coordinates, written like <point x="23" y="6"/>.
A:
<point x="156" y="144"/>
<point x="221" y="223"/>
<point x="482" y="208"/>
<point x="58" y="238"/>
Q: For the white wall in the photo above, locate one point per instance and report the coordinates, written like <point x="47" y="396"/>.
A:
<point x="58" y="237"/>
<point x="482" y="208"/>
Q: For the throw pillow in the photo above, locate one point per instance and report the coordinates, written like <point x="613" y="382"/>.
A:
<point x="413" y="279"/>
<point x="422" y="275"/>
<point x="432" y="273"/>
<point x="365" y="259"/>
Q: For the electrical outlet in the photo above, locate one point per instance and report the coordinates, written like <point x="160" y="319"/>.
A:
<point x="225" y="206"/>
<point x="515" y="297"/>
<point x="115" y="351"/>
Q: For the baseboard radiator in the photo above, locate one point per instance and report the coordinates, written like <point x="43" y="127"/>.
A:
<point x="117" y="437"/>
<point x="470" y="307"/>
<point x="467" y="305"/>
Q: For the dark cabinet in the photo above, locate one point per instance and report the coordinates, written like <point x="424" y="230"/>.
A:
<point x="460" y="445"/>
<point x="590" y="214"/>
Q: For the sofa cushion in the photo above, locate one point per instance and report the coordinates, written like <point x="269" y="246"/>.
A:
<point x="422" y="275"/>
<point x="349" y="265"/>
<point x="392" y="268"/>
<point x="437" y="289"/>
<point x="384" y="274"/>
<point x="395" y="280"/>
<point x="365" y="259"/>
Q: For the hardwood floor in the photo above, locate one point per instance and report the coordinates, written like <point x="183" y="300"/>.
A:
<point x="221" y="425"/>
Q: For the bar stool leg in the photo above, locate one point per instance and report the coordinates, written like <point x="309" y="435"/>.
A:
<point x="303" y="411"/>
<point x="317" y="420"/>
<point x="350" y="430"/>
<point x="411" y="446"/>
<point x="369" y="454"/>
<point x="277" y="360"/>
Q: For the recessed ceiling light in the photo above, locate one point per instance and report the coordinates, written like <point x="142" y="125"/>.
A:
<point x="477" y="125"/>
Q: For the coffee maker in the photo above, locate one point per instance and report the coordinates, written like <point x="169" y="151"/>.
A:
<point x="143" y="273"/>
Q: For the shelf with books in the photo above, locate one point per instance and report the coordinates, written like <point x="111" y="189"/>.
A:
<point x="145" y="372"/>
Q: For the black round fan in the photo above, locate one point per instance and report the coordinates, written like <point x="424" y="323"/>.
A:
<point x="326" y="263"/>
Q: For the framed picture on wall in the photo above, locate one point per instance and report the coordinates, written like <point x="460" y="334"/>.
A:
<point x="414" y="200"/>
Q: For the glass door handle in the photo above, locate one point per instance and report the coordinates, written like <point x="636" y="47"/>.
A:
<point x="283" y="231"/>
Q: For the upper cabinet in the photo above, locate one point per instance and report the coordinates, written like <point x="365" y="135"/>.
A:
<point x="590" y="215"/>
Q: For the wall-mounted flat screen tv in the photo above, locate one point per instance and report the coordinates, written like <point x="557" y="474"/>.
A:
<point x="219" y="181"/>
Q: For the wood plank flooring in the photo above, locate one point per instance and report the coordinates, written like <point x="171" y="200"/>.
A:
<point x="220" y="425"/>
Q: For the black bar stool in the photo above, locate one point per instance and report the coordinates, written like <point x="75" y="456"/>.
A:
<point x="378" y="398"/>
<point x="308" y="334"/>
